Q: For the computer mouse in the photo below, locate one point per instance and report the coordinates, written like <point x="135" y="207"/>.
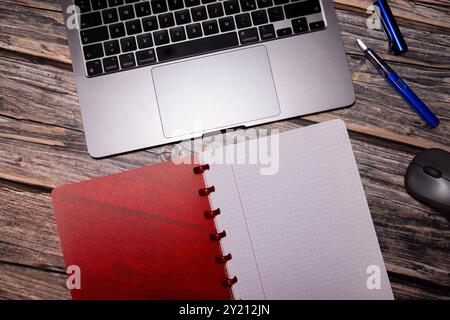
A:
<point x="427" y="179"/>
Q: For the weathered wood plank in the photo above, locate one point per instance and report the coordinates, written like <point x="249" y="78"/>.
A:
<point x="28" y="228"/>
<point x="431" y="12"/>
<point x="33" y="31"/>
<point x="17" y="282"/>
<point x="31" y="263"/>
<point x="52" y="5"/>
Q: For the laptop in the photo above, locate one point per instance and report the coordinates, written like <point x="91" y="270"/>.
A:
<point x="154" y="72"/>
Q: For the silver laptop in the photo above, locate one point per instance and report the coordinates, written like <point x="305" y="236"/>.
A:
<point x="159" y="71"/>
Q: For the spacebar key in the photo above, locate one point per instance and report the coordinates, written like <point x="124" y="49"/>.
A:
<point x="197" y="46"/>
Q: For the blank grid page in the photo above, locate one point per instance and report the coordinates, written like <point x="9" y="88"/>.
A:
<point x="305" y="232"/>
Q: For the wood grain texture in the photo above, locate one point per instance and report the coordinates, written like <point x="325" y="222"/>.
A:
<point x="33" y="31"/>
<point x="42" y="143"/>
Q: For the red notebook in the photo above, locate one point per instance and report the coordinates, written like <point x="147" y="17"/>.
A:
<point x="141" y="234"/>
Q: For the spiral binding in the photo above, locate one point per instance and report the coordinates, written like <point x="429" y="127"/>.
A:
<point x="211" y="214"/>
<point x="226" y="282"/>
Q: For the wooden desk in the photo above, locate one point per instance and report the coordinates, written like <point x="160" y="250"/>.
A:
<point x="42" y="143"/>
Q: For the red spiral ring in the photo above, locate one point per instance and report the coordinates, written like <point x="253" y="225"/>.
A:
<point x="228" y="283"/>
<point x="223" y="259"/>
<point x="217" y="236"/>
<point x="211" y="214"/>
<point x="206" y="191"/>
<point x="201" y="169"/>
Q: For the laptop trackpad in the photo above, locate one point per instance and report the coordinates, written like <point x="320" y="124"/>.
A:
<point x="214" y="92"/>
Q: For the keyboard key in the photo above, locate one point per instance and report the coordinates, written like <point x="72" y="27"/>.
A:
<point x="89" y="20"/>
<point x="99" y="4"/>
<point x="115" y="3"/>
<point x="145" y="40"/>
<point x="131" y="1"/>
<point x="117" y="30"/>
<point x="278" y="2"/>
<point x="208" y="1"/>
<point x="128" y="44"/>
<point x="111" y="47"/>
<point x="198" y="13"/>
<point x="150" y="23"/>
<point x="94" y="35"/>
<point x="127" y="61"/>
<point x="177" y="34"/>
<point x="133" y="27"/>
<point x="247" y="5"/>
<point x="259" y="17"/>
<point x="284" y="32"/>
<point x="226" y="24"/>
<point x="303" y="8"/>
<point x="159" y="6"/>
<point x="145" y="57"/>
<point x="215" y="10"/>
<point x="197" y="46"/>
<point x="194" y="30"/>
<point x="231" y="7"/>
<point x="210" y="27"/>
<point x="317" y="25"/>
<point x="93" y="51"/>
<point x="275" y="14"/>
<point x="299" y="25"/>
<point x="248" y="35"/>
<point x="94" y="67"/>
<point x="110" y="15"/>
<point x="243" y="20"/>
<point x="161" y="37"/>
<point x="126" y="12"/>
<point x="142" y="9"/>
<point x="267" y="32"/>
<point x="166" y="20"/>
<point x="175" y="4"/>
<point x="84" y="5"/>
<point x="264" y="3"/>
<point x="191" y="3"/>
<point x="110" y="64"/>
<point x="182" y="16"/>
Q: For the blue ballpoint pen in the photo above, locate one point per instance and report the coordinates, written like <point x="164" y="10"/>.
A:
<point x="397" y="83"/>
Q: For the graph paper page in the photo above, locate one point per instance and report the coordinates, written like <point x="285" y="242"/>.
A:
<point x="305" y="232"/>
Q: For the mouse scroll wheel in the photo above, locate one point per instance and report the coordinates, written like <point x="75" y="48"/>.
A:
<point x="432" y="172"/>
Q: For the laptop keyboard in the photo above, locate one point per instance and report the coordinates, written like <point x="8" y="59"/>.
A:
<point x="117" y="35"/>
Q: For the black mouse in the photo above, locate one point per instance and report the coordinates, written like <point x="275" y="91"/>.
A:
<point x="427" y="179"/>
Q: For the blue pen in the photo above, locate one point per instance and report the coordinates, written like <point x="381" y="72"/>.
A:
<point x="397" y="83"/>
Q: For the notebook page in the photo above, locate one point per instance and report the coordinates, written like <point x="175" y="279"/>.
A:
<point x="305" y="232"/>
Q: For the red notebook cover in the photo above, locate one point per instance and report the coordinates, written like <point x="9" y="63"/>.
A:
<point x="141" y="234"/>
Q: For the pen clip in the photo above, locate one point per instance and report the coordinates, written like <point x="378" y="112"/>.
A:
<point x="383" y="25"/>
<point x="396" y="42"/>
